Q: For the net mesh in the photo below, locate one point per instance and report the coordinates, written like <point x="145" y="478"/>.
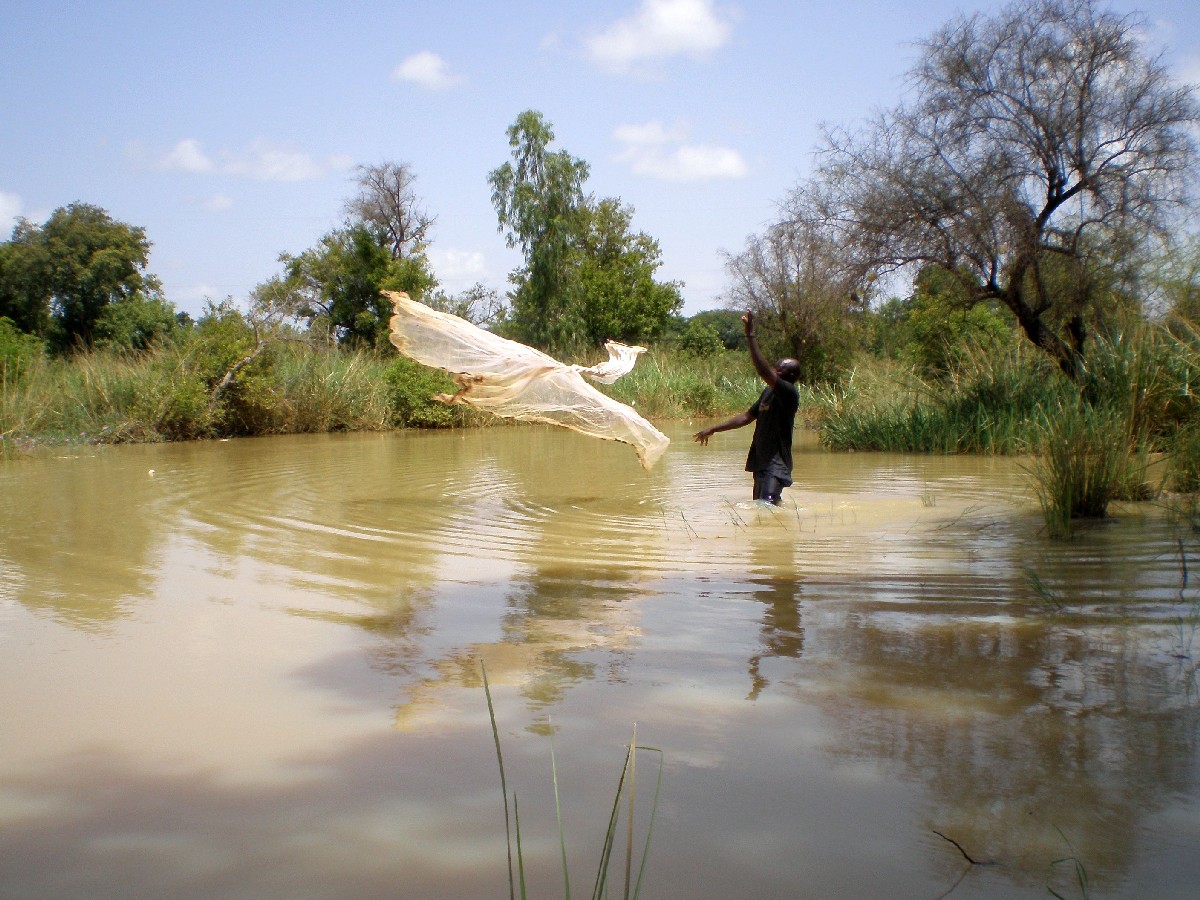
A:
<point x="512" y="380"/>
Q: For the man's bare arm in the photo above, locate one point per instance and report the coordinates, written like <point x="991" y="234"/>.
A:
<point x="761" y="366"/>
<point x="738" y="421"/>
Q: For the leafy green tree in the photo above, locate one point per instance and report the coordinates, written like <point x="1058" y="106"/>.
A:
<point x="58" y="279"/>
<point x="339" y="281"/>
<point x="136" y="324"/>
<point x="621" y="299"/>
<point x="727" y="323"/>
<point x="337" y="284"/>
<point x="944" y="316"/>
<point x="701" y="339"/>
<point x="24" y="287"/>
<point x="588" y="276"/>
<point x="538" y="198"/>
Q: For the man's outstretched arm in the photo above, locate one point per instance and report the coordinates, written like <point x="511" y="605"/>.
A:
<point x="737" y="421"/>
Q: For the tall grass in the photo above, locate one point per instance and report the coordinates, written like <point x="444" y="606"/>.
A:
<point x="986" y="404"/>
<point x="181" y="392"/>
<point x="1085" y="460"/>
<point x="626" y="788"/>
<point x="672" y="384"/>
<point x="1090" y="439"/>
<point x="178" y="393"/>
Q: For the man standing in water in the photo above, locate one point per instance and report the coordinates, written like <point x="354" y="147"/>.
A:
<point x="774" y="417"/>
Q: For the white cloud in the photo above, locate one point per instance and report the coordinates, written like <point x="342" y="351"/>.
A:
<point x="660" y="29"/>
<point x="261" y="161"/>
<point x="186" y="156"/>
<point x="458" y="269"/>
<point x="427" y="69"/>
<point x="10" y="209"/>
<point x="658" y="152"/>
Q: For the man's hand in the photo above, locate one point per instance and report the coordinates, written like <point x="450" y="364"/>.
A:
<point x="748" y="321"/>
<point x="702" y="437"/>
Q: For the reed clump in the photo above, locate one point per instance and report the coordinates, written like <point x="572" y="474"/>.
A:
<point x="1091" y="438"/>
<point x="986" y="403"/>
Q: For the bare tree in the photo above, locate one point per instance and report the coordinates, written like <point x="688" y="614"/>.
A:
<point x="387" y="202"/>
<point x="1039" y="146"/>
<point x="805" y="289"/>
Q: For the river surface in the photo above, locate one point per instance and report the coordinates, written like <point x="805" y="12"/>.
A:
<point x="251" y="668"/>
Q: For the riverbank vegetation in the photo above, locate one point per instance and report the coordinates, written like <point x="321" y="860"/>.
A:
<point x="1003" y="262"/>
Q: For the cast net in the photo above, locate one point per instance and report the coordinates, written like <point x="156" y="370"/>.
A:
<point x="509" y="379"/>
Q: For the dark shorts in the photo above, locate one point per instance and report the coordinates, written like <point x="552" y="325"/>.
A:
<point x="770" y="482"/>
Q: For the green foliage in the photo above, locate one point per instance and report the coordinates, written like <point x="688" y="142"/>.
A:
<point x="340" y="280"/>
<point x="587" y="276"/>
<point x="19" y="352"/>
<point x="700" y="339"/>
<point x="727" y="323"/>
<point x="667" y="384"/>
<point x="57" y="280"/>
<point x="411" y="389"/>
<point x="1183" y="459"/>
<point x="1084" y="461"/>
<point x="985" y="406"/>
<point x="24" y="291"/>
<point x="136" y="323"/>
<point x="621" y="300"/>
<point x="939" y="322"/>
<point x="538" y="197"/>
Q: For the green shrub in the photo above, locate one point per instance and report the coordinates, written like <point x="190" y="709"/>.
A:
<point x="701" y="339"/>
<point x="19" y="352"/>
<point x="411" y="388"/>
<point x="135" y="324"/>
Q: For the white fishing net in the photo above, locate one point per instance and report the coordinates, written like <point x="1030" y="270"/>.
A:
<point x="511" y="380"/>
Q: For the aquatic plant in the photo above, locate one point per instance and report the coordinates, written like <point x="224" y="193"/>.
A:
<point x="1084" y="461"/>
<point x="983" y="405"/>
<point x="626" y="787"/>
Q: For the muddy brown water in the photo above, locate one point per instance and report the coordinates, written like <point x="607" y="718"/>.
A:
<point x="250" y="668"/>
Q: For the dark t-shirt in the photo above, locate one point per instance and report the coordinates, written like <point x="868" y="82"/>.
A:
<point x="774" y="415"/>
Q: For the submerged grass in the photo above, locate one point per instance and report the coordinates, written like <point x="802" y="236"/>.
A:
<point x="626" y="785"/>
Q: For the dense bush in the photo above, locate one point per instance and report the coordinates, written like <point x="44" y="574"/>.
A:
<point x="18" y="352"/>
<point x="411" y="389"/>
<point x="700" y="339"/>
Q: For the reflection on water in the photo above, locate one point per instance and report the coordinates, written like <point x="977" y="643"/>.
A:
<point x="251" y="668"/>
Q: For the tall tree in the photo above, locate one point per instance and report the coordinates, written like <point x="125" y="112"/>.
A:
<point x="588" y="276"/>
<point x="58" y="279"/>
<point x="338" y="283"/>
<point x="387" y="202"/>
<point x="621" y="299"/>
<point x="1039" y="145"/>
<point x="538" y="197"/>
<point x="807" y="291"/>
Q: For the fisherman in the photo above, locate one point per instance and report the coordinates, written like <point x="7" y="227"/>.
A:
<point x="774" y="417"/>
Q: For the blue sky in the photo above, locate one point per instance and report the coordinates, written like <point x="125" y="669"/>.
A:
<point x="230" y="130"/>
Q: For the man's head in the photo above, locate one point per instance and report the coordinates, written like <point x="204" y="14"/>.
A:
<point x="788" y="369"/>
